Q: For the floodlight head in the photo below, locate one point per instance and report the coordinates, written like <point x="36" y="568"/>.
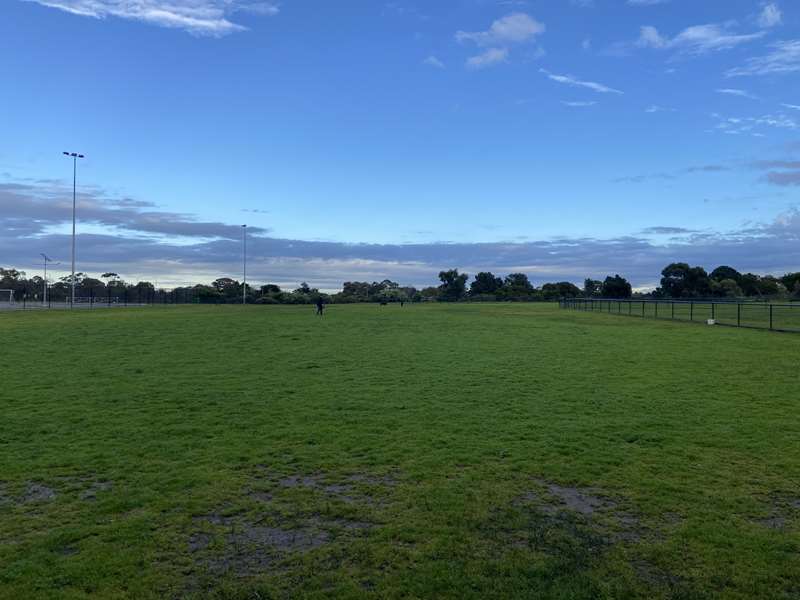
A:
<point x="80" y="156"/>
<point x="65" y="153"/>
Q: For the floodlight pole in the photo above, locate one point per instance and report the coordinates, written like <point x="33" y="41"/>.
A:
<point x="47" y="259"/>
<point x="75" y="156"/>
<point x="244" y="263"/>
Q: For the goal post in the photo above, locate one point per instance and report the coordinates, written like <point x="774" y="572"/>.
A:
<point x="7" y="296"/>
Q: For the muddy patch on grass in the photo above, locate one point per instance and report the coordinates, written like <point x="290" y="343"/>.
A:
<point x="244" y="545"/>
<point x="67" y="550"/>
<point x="285" y="515"/>
<point x="94" y="488"/>
<point x="575" y="528"/>
<point x="783" y="510"/>
<point x="656" y="577"/>
<point x="358" y="488"/>
<point x="593" y="505"/>
<point x="37" y="492"/>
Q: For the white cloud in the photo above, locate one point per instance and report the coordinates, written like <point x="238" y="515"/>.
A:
<point x="200" y="17"/>
<point x="735" y="92"/>
<point x="792" y="106"/>
<point x="432" y="61"/>
<point x="569" y="80"/>
<point x="516" y="28"/>
<point x="784" y="58"/>
<point x="491" y="56"/>
<point x="740" y="125"/>
<point x="698" y="39"/>
<point x="655" y="108"/>
<point x="646" y="2"/>
<point x="650" y="38"/>
<point x="770" y="16"/>
<point x="579" y="103"/>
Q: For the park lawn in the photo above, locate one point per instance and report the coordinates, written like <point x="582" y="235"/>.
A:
<point x="431" y="451"/>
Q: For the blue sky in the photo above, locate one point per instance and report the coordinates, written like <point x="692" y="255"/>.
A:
<point x="365" y="139"/>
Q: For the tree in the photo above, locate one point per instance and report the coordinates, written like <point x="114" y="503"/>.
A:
<point x="592" y="288"/>
<point x="270" y="288"/>
<point x="562" y="289"/>
<point x="485" y="283"/>
<point x="726" y="288"/>
<point x="679" y="280"/>
<point x="790" y="280"/>
<point x="93" y="287"/>
<point x="454" y="285"/>
<point x="518" y="286"/>
<point x="724" y="272"/>
<point x="750" y="284"/>
<point x="430" y="293"/>
<point x="616" y="287"/>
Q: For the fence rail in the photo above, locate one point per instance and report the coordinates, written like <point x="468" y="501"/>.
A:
<point x="753" y="315"/>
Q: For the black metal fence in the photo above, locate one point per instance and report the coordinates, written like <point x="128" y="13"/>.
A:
<point x="754" y="315"/>
<point x="108" y="298"/>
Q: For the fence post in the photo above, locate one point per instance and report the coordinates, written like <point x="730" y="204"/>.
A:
<point x="713" y="311"/>
<point x="643" y="309"/>
<point x="771" y="306"/>
<point x="738" y="314"/>
<point x="656" y="309"/>
<point x="691" y="310"/>
<point x="630" y="307"/>
<point x="673" y="309"/>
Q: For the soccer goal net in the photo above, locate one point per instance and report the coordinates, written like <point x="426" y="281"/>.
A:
<point x="6" y="297"/>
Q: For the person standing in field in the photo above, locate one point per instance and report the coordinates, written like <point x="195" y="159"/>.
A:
<point x="320" y="306"/>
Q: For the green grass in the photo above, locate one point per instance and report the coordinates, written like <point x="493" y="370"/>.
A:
<point x="440" y="428"/>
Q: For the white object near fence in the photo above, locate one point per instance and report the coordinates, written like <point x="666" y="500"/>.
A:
<point x="711" y="322"/>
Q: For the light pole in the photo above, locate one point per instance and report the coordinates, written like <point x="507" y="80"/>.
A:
<point x="47" y="259"/>
<point x="75" y="156"/>
<point x="244" y="263"/>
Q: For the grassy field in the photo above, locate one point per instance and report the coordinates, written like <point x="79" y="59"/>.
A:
<point x="436" y="451"/>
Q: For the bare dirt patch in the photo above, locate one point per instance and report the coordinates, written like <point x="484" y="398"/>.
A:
<point x="357" y="488"/>
<point x="37" y="492"/>
<point x="95" y="487"/>
<point x="576" y="526"/>
<point x="273" y="527"/>
<point x="782" y="510"/>
<point x="244" y="545"/>
<point x="591" y="504"/>
<point x="86" y="488"/>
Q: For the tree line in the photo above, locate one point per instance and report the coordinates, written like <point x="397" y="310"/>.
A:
<point x="678" y="280"/>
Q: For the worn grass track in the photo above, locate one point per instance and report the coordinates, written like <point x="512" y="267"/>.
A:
<point x="436" y="451"/>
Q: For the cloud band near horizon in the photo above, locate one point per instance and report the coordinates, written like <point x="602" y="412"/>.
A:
<point x="143" y="242"/>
